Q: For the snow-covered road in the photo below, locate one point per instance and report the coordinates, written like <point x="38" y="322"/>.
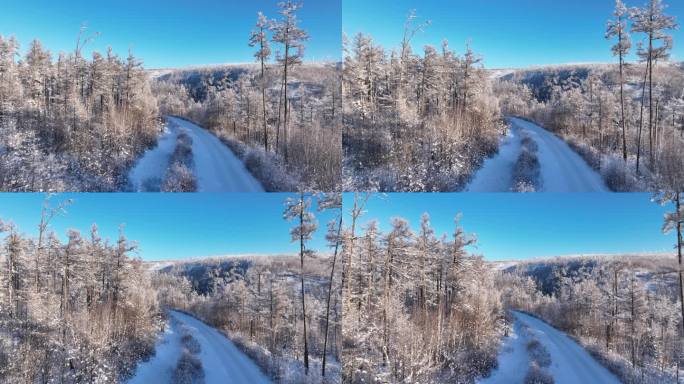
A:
<point x="496" y="174"/>
<point x="570" y="363"/>
<point x="217" y="169"/>
<point x="223" y="363"/>
<point x="562" y="169"/>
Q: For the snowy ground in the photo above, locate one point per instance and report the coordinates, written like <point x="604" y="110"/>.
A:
<point x="562" y="170"/>
<point x="223" y="363"/>
<point x="496" y="174"/>
<point x="217" y="169"/>
<point x="570" y="363"/>
<point x="513" y="359"/>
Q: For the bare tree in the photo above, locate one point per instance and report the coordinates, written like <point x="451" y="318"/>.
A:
<point x="287" y="32"/>
<point x="258" y="37"/>
<point x="299" y="209"/>
<point x="618" y="28"/>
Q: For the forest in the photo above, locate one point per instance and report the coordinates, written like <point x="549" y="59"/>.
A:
<point x="87" y="310"/>
<point x="70" y="122"/>
<point x="74" y="123"/>
<point x="627" y="311"/>
<point x="426" y="121"/>
<point x="625" y="119"/>
<point x="280" y="115"/>
<point x="72" y="311"/>
<point x="415" y="121"/>
<point x="416" y="308"/>
<point x="282" y="311"/>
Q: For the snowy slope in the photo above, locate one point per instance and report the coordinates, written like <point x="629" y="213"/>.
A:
<point x="223" y="363"/>
<point x="570" y="363"/>
<point x="217" y="169"/>
<point x="562" y="169"/>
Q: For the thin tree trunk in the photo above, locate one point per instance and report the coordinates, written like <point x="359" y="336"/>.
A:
<point x="622" y="105"/>
<point x="301" y="259"/>
<point x="679" y="254"/>
<point x="641" y="116"/>
<point x="327" y="308"/>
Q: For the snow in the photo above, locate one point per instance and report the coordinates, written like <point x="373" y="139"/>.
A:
<point x="513" y="359"/>
<point x="159" y="368"/>
<point x="222" y="362"/>
<point x="154" y="162"/>
<point x="570" y="363"/>
<point x="496" y="174"/>
<point x="562" y="169"/>
<point x="216" y="168"/>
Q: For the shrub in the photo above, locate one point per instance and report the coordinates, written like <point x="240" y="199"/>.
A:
<point x="537" y="375"/>
<point x="179" y="177"/>
<point x="538" y="353"/>
<point x="188" y="370"/>
<point x="191" y="344"/>
<point x="527" y="168"/>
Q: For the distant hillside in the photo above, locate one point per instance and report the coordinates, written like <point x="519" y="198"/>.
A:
<point x="203" y="272"/>
<point x="309" y="76"/>
<point x="540" y="79"/>
<point x="547" y="271"/>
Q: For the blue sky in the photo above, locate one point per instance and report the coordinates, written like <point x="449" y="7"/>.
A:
<point x="172" y="226"/>
<point x="508" y="33"/>
<point x="167" y="33"/>
<point x="522" y="226"/>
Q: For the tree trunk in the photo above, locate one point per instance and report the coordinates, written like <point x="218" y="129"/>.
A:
<point x="301" y="259"/>
<point x="327" y="308"/>
<point x="641" y="117"/>
<point x="679" y="254"/>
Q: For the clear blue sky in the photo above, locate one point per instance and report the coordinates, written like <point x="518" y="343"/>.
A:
<point x="168" y="33"/>
<point x="522" y="226"/>
<point x="172" y="226"/>
<point x="509" y="33"/>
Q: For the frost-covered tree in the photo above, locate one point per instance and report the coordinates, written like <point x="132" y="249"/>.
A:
<point x="408" y="115"/>
<point x="298" y="209"/>
<point x="74" y="123"/>
<point x="64" y="332"/>
<point x="286" y="31"/>
<point x="652" y="21"/>
<point x="419" y="303"/>
<point x="259" y="38"/>
<point x="674" y="221"/>
<point x="617" y="29"/>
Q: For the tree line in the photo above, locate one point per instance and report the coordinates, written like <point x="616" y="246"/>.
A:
<point x="283" y="312"/>
<point x="73" y="310"/>
<point x="626" y="311"/>
<point x="71" y="123"/>
<point x="416" y="308"/>
<point x="286" y="112"/>
<point x="626" y="120"/>
<point x="415" y="122"/>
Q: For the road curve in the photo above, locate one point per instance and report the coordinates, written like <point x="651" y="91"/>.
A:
<point x="562" y="169"/>
<point x="216" y="167"/>
<point x="221" y="361"/>
<point x="570" y="363"/>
